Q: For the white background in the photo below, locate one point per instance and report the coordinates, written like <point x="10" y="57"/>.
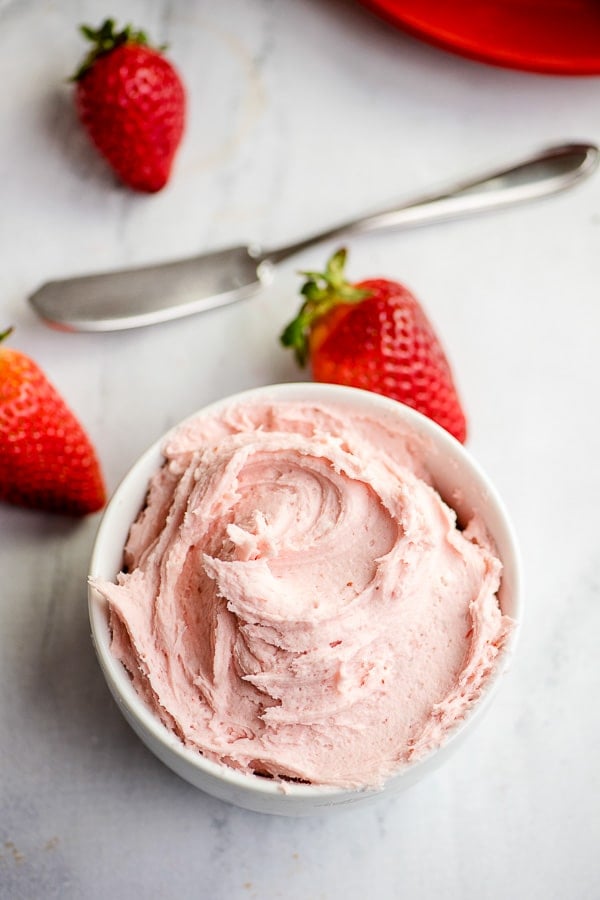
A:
<point x="301" y="114"/>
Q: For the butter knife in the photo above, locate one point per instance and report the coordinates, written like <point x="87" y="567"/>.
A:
<point x="130" y="298"/>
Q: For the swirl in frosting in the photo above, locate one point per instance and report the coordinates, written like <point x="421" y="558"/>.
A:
<point x="297" y="601"/>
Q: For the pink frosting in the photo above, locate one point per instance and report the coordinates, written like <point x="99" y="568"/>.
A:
<point x="297" y="600"/>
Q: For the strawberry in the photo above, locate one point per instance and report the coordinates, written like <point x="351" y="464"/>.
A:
<point x="374" y="335"/>
<point x="131" y="101"/>
<point x="46" y="459"/>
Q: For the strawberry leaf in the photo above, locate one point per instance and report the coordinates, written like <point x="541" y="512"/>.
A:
<point x="322" y="291"/>
<point x="105" y="39"/>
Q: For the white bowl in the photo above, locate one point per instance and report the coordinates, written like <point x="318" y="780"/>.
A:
<point x="460" y="482"/>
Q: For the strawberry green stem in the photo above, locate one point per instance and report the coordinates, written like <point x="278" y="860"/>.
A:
<point x="322" y="292"/>
<point x="4" y="334"/>
<point x="104" y="39"/>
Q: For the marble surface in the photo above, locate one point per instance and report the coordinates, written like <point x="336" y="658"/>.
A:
<point x="302" y="114"/>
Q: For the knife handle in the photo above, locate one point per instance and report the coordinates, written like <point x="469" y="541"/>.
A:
<point x="549" y="172"/>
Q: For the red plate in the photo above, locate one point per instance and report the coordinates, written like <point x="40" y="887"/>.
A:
<point x="560" y="37"/>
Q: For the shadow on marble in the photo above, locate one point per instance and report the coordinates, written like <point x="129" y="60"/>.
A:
<point x="61" y="130"/>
